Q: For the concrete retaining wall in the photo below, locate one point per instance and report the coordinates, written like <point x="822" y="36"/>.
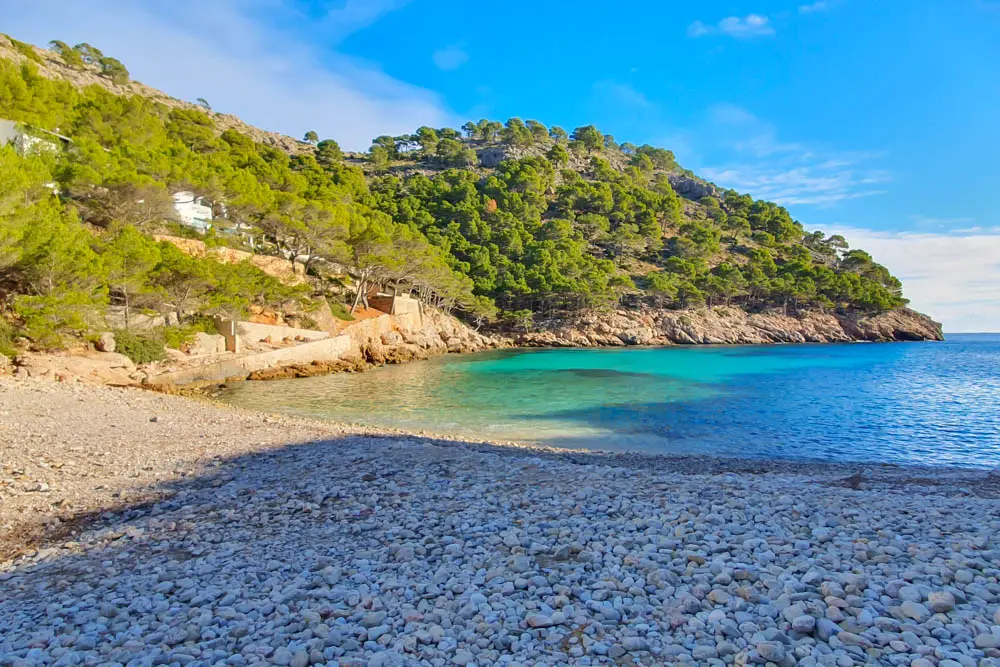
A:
<point x="253" y="332"/>
<point x="329" y="349"/>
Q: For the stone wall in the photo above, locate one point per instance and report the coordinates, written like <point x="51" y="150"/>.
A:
<point x="251" y="332"/>
<point x="330" y="349"/>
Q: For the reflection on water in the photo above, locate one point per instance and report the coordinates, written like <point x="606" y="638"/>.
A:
<point x="933" y="403"/>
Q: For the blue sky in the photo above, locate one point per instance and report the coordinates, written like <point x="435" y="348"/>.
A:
<point x="880" y="119"/>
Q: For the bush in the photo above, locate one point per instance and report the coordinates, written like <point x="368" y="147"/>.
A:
<point x="26" y="50"/>
<point x="7" y="335"/>
<point x="341" y="312"/>
<point x="140" y="349"/>
<point x="177" y="337"/>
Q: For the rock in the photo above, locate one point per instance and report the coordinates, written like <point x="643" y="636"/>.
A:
<point x="941" y="601"/>
<point x="987" y="641"/>
<point x="804" y="624"/>
<point x="539" y="621"/>
<point x="915" y="610"/>
<point x="719" y="596"/>
<point x="109" y="368"/>
<point x="205" y="343"/>
<point x="771" y="651"/>
<point x="392" y="338"/>
<point x="825" y="628"/>
<point x="106" y="342"/>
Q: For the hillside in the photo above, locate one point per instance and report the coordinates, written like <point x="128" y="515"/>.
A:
<point x="514" y="224"/>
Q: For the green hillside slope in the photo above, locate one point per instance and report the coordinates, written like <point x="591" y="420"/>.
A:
<point x="493" y="220"/>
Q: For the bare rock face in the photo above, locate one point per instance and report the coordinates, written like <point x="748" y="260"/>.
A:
<point x="692" y="188"/>
<point x="106" y="342"/>
<point x="722" y="325"/>
<point x="109" y="368"/>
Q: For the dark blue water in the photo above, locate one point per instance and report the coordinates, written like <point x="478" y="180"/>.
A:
<point x="936" y="403"/>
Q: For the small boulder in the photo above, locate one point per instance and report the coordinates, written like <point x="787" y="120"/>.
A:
<point x="106" y="342"/>
<point x="941" y="602"/>
<point x="392" y="338"/>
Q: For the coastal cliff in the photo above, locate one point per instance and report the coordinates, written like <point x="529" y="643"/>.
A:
<point x="723" y="325"/>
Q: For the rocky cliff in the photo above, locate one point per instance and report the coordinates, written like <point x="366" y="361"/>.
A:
<point x="723" y="325"/>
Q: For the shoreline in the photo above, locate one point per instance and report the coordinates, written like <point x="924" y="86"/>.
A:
<point x="226" y="534"/>
<point x="294" y="430"/>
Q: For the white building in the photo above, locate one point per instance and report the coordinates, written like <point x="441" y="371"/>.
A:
<point x="27" y="142"/>
<point x="193" y="211"/>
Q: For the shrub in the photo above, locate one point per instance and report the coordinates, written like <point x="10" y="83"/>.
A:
<point x="140" y="349"/>
<point x="176" y="337"/>
<point x="341" y="312"/>
<point x="26" y="50"/>
<point x="7" y="335"/>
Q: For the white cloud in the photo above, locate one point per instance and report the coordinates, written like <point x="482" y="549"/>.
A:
<point x="450" y="58"/>
<point x="232" y="55"/>
<point x="622" y="93"/>
<point x="815" y="7"/>
<point x="789" y="173"/>
<point x="954" y="278"/>
<point x="925" y="222"/>
<point x="354" y="15"/>
<point x="810" y="183"/>
<point x="752" y="25"/>
<point x="744" y="132"/>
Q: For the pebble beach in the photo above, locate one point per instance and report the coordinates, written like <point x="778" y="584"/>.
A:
<point x="144" y="529"/>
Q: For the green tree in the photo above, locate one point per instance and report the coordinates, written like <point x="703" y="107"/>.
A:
<point x="130" y="257"/>
<point x="69" y="55"/>
<point x="328" y="153"/>
<point x="113" y="69"/>
<point x="89" y="54"/>
<point x="311" y="137"/>
<point x="589" y="137"/>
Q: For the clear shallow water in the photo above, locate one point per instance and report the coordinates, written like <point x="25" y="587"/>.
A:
<point x="936" y="403"/>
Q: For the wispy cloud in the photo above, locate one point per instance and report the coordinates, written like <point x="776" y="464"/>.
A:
<point x="952" y="277"/>
<point x="787" y="172"/>
<point x="744" y="132"/>
<point x="622" y="93"/>
<point x="816" y="7"/>
<point x="353" y="15"/>
<point x="450" y="58"/>
<point x="752" y="25"/>
<point x="800" y="185"/>
<point x="234" y="56"/>
<point x="927" y="222"/>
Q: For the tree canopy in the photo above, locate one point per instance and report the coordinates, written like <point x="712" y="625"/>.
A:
<point x="559" y="221"/>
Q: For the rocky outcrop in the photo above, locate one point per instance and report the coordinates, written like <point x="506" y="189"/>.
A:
<point x="692" y="188"/>
<point x="372" y="345"/>
<point x="724" y="325"/>
<point x="107" y="368"/>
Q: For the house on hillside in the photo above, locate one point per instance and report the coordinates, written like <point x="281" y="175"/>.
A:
<point x="27" y="141"/>
<point x="193" y="211"/>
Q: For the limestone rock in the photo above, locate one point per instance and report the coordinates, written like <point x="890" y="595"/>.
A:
<point x="106" y="342"/>
<point x="205" y="343"/>
<point x="726" y="325"/>
<point x="108" y="368"/>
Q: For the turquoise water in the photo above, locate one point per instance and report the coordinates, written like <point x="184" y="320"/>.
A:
<point x="897" y="403"/>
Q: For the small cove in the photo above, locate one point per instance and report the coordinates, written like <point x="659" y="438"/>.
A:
<point x="905" y="403"/>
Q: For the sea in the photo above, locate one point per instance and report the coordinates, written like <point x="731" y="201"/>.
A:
<point x="903" y="403"/>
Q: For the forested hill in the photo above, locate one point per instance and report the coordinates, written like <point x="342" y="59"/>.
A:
<point x="494" y="220"/>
